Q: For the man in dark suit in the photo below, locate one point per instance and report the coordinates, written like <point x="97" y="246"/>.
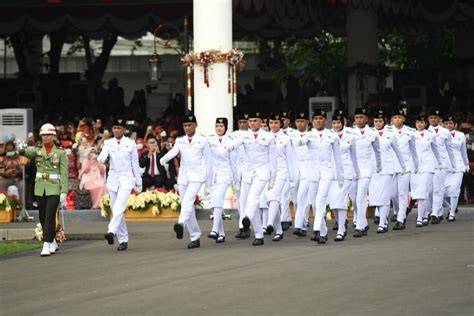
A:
<point x="155" y="174"/>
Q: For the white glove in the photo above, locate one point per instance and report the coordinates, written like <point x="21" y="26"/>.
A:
<point x="162" y="162"/>
<point x="236" y="187"/>
<point x="229" y="148"/>
<point x="340" y="183"/>
<point x="271" y="184"/>
<point x="292" y="184"/>
<point x="467" y="169"/>
<point x="439" y="167"/>
<point x="138" y="188"/>
<point x="357" y="176"/>
<point x="404" y="170"/>
<point x="62" y="199"/>
<point x="206" y="190"/>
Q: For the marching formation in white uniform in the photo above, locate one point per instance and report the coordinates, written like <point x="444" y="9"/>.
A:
<point x="378" y="166"/>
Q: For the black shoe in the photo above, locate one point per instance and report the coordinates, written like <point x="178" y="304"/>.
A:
<point x="299" y="232"/>
<point x="376" y="219"/>
<point x="194" y="244"/>
<point x="409" y="209"/>
<point x="322" y="239"/>
<point x="270" y="229"/>
<point x="212" y="235"/>
<point x="425" y="221"/>
<point x="257" y="242"/>
<point x="178" y="229"/>
<point x="434" y="220"/>
<point x="339" y="237"/>
<point x="277" y="237"/>
<point x="456" y="211"/>
<point x="394" y="218"/>
<point x="245" y="234"/>
<point x="220" y="239"/>
<point x="336" y="226"/>
<point x="286" y="225"/>
<point x="419" y="224"/>
<point x="265" y="231"/>
<point x="365" y="230"/>
<point x="451" y="218"/>
<point x="381" y="230"/>
<point x="399" y="226"/>
<point x="123" y="246"/>
<point x="246" y="223"/>
<point x="358" y="233"/>
<point x="315" y="236"/>
<point x="239" y="234"/>
<point x="440" y="219"/>
<point x="110" y="238"/>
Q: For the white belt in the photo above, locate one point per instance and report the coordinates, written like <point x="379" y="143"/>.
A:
<point x="47" y="176"/>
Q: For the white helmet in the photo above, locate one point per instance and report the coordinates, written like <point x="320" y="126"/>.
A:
<point x="47" y="129"/>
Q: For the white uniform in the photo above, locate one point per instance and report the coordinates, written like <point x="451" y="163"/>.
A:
<point x="222" y="176"/>
<point x="303" y="168"/>
<point x="195" y="169"/>
<point x="123" y="176"/>
<point x="239" y="163"/>
<point x="454" y="180"/>
<point x="400" y="185"/>
<point x="256" y="175"/>
<point x="282" y="151"/>
<point x="448" y="164"/>
<point x="366" y="143"/>
<point x="339" y="196"/>
<point x="323" y="147"/>
<point x="380" y="183"/>
<point x="287" y="191"/>
<point x="421" y="183"/>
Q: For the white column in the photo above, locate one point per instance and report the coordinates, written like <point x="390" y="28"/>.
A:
<point x="212" y="22"/>
<point x="362" y="46"/>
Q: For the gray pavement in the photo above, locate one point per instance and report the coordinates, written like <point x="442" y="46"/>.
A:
<point x="418" y="271"/>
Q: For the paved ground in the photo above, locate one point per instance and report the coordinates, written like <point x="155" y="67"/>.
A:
<point x="424" y="271"/>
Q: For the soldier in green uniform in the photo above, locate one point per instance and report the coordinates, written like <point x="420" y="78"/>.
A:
<point x="51" y="184"/>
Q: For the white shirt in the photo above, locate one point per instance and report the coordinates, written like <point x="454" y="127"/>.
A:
<point x="427" y="151"/>
<point x="367" y="143"/>
<point x="324" y="150"/>
<point x="124" y="171"/>
<point x="406" y="143"/>
<point x="458" y="140"/>
<point x="391" y="157"/>
<point x="222" y="167"/>
<point x="445" y="146"/>
<point x="281" y="149"/>
<point x="348" y="150"/>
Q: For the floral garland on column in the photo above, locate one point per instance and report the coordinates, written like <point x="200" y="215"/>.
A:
<point x="233" y="58"/>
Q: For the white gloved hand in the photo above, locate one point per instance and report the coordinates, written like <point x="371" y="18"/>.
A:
<point x="439" y="167"/>
<point x="206" y="190"/>
<point x="404" y="170"/>
<point x="357" y="176"/>
<point x="62" y="199"/>
<point x="162" y="162"/>
<point x="467" y="169"/>
<point x="229" y="148"/>
<point x="271" y="184"/>
<point x="236" y="187"/>
<point x="292" y="184"/>
<point x="139" y="188"/>
<point x="340" y="183"/>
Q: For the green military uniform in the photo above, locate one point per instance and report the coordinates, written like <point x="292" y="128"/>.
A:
<point x="51" y="180"/>
<point x="53" y="169"/>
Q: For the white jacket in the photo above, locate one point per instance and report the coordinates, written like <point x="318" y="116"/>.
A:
<point x="281" y="149"/>
<point x="299" y="143"/>
<point x="196" y="162"/>
<point x="256" y="151"/>
<point x="366" y="142"/>
<point x="406" y="143"/>
<point x="347" y="146"/>
<point x="445" y="147"/>
<point x="458" y="140"/>
<point x="392" y="158"/>
<point x="324" y="150"/>
<point x="427" y="151"/>
<point x="222" y="168"/>
<point x="124" y="171"/>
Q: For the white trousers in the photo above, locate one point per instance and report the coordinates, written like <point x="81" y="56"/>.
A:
<point x="187" y="217"/>
<point x="319" y="204"/>
<point x="285" y="202"/>
<point x="252" y="204"/>
<point x="353" y="196"/>
<point x="302" y="204"/>
<point x="361" y="200"/>
<point x="216" y="199"/>
<point x="439" y="180"/>
<point x="399" y="196"/>
<point x="273" y="218"/>
<point x="118" y="204"/>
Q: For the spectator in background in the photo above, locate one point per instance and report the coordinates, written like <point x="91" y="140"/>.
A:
<point x="10" y="170"/>
<point x="92" y="177"/>
<point x="154" y="175"/>
<point x="115" y="95"/>
<point x="467" y="188"/>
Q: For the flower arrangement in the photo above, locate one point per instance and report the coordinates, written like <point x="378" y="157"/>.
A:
<point x="9" y="203"/>
<point x="155" y="199"/>
<point x="60" y="235"/>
